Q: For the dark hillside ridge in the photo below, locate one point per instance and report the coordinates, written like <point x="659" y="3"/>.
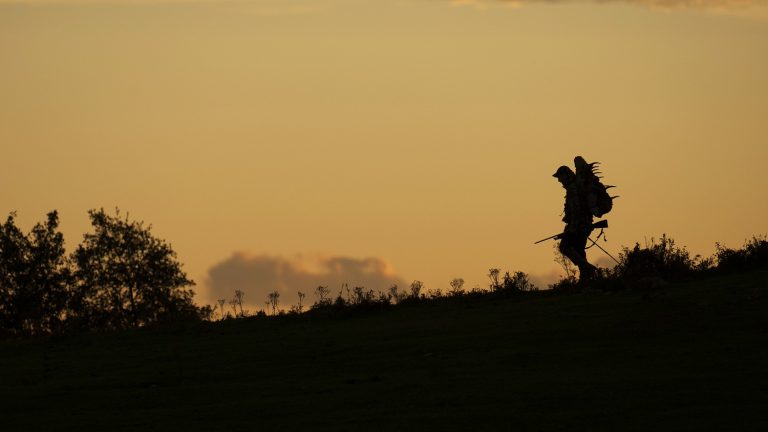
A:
<point x="685" y="356"/>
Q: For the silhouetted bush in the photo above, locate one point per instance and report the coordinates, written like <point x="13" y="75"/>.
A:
<point x="662" y="259"/>
<point x="395" y="295"/>
<point x="510" y="283"/>
<point x="457" y="287"/>
<point x="754" y="254"/>
<point x="298" y="307"/>
<point x="517" y="282"/>
<point x="323" y="300"/>
<point x="566" y="284"/>
<point x="273" y="300"/>
<point x="416" y="287"/>
<point x="493" y="275"/>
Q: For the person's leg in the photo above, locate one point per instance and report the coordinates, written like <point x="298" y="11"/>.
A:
<point x="573" y="247"/>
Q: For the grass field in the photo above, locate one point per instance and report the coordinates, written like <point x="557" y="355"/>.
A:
<point x="690" y="356"/>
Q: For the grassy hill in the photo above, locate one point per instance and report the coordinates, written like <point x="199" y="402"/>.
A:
<point x="691" y="356"/>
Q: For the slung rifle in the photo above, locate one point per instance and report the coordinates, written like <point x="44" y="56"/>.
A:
<point x="599" y="224"/>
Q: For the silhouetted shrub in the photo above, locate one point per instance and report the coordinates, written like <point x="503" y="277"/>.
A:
<point x="457" y="287"/>
<point x="322" y="293"/>
<point x="395" y="295"/>
<point x="754" y="254"/>
<point x="221" y="302"/>
<point x="566" y="284"/>
<point x="517" y="282"/>
<point x="299" y="307"/>
<point x="416" y="287"/>
<point x="435" y="294"/>
<point x="493" y="275"/>
<point x="273" y="300"/>
<point x="662" y="259"/>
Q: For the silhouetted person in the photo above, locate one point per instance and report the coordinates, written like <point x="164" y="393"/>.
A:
<point x="577" y="217"/>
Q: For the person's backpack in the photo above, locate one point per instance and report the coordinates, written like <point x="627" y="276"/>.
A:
<point x="596" y="193"/>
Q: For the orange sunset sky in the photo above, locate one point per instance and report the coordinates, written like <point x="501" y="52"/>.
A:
<point x="280" y="144"/>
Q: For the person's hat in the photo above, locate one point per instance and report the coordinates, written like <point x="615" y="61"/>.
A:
<point x="563" y="170"/>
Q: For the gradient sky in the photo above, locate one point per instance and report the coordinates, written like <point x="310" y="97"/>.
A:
<point x="397" y="139"/>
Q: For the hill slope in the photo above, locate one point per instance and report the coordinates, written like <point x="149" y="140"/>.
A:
<point x="686" y="357"/>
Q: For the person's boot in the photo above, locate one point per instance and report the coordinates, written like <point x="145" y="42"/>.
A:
<point x="587" y="273"/>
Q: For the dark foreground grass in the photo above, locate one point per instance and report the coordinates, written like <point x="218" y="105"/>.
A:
<point x="684" y="357"/>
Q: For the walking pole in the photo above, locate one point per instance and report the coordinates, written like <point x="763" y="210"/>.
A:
<point x="594" y="243"/>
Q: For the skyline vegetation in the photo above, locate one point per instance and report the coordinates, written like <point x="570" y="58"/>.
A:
<point x="122" y="276"/>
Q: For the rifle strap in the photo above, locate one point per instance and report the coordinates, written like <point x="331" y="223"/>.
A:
<point x="594" y="242"/>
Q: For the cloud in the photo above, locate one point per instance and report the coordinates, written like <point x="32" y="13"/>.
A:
<point x="544" y="280"/>
<point x="258" y="275"/>
<point x="605" y="262"/>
